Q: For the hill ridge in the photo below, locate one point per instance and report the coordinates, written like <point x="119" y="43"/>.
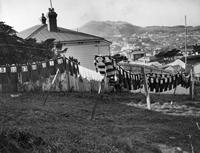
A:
<point x="110" y="28"/>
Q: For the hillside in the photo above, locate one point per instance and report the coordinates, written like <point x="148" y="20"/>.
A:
<point x="121" y="123"/>
<point x="110" y="28"/>
<point x="121" y="28"/>
<point x="151" y="38"/>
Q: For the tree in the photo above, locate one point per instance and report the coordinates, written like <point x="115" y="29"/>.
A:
<point x="118" y="58"/>
<point x="4" y="28"/>
<point x="14" y="49"/>
<point x="168" y="54"/>
<point x="196" y="48"/>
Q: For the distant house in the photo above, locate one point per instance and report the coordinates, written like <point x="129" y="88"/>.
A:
<point x="134" y="55"/>
<point x="194" y="61"/>
<point x="197" y="71"/>
<point x="80" y="45"/>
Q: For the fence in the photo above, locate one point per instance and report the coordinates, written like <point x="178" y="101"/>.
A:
<point x="64" y="82"/>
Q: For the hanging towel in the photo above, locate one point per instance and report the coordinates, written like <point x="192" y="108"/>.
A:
<point x="67" y="65"/>
<point x="13" y="74"/>
<point x="3" y="75"/>
<point x="45" y="72"/>
<point x="51" y="65"/>
<point x="99" y="63"/>
<point x="60" y="64"/>
<point x="34" y="72"/>
<point x="71" y="68"/>
<point x="25" y="73"/>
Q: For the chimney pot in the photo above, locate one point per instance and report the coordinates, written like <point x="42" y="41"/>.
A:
<point x="52" y="15"/>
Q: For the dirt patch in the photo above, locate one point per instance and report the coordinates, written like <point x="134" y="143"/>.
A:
<point x="167" y="149"/>
<point x="172" y="108"/>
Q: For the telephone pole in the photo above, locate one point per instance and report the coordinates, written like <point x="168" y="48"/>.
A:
<point x="51" y="4"/>
<point x="185" y="41"/>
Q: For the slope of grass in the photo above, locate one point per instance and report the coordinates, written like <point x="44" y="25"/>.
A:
<point x="63" y="125"/>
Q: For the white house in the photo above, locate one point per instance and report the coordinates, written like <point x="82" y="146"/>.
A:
<point x="80" y="45"/>
<point x="197" y="71"/>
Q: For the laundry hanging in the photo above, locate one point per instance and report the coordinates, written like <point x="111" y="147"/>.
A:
<point x="3" y="75"/>
<point x="13" y="73"/>
<point x="61" y="64"/>
<point x="99" y="62"/>
<point x="51" y="65"/>
<point x="165" y="82"/>
<point x="106" y="66"/>
<point x="25" y="71"/>
<point x="45" y="72"/>
<point x="37" y="70"/>
<point x="34" y="72"/>
<point x="73" y="66"/>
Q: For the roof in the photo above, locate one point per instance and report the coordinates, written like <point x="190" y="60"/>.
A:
<point x="132" y="51"/>
<point x="41" y="33"/>
<point x="137" y="52"/>
<point x="170" y="53"/>
<point x="177" y="62"/>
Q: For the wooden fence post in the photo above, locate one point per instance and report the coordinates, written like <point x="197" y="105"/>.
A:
<point x="192" y="84"/>
<point x="146" y="89"/>
<point x="68" y="80"/>
<point x="54" y="79"/>
<point x="96" y="102"/>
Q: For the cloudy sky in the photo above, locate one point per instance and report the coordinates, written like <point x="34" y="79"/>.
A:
<point x="22" y="14"/>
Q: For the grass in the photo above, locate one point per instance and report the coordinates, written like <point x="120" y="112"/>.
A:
<point x="63" y="125"/>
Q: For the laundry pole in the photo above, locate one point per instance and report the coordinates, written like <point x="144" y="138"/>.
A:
<point x="146" y="88"/>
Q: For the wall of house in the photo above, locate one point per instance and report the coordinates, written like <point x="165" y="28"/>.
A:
<point x="85" y="53"/>
<point x="197" y="70"/>
<point x="137" y="56"/>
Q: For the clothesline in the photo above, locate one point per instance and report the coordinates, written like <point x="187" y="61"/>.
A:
<point x="38" y="62"/>
<point x="145" y="66"/>
<point x="133" y="81"/>
<point x="117" y="75"/>
<point x="165" y="82"/>
<point x="34" y="71"/>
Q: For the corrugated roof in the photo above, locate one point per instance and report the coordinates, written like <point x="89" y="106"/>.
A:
<point x="41" y="33"/>
<point x="26" y="33"/>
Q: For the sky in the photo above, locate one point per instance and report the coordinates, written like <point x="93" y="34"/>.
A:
<point x="72" y="14"/>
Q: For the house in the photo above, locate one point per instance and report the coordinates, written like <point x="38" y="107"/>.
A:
<point x="193" y="62"/>
<point x="80" y="45"/>
<point x="197" y="71"/>
<point x="133" y="55"/>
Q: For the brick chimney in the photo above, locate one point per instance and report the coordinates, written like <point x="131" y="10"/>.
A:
<point x="52" y="15"/>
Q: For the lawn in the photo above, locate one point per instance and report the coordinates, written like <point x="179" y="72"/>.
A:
<point x="63" y="125"/>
